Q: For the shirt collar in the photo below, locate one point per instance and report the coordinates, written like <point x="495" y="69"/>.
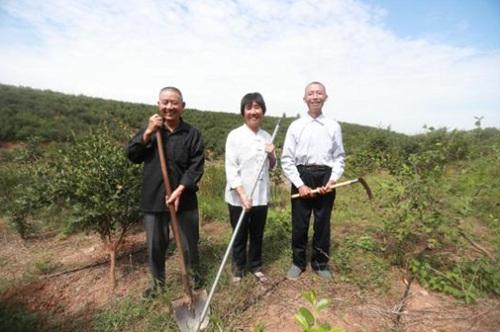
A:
<point x="183" y="126"/>
<point x="250" y="131"/>
<point x="320" y="119"/>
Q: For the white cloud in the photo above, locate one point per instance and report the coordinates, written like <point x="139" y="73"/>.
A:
<point x="216" y="51"/>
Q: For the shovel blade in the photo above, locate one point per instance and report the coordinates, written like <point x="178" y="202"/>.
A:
<point x="188" y="317"/>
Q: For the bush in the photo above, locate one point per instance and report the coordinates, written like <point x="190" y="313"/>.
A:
<point x="94" y="180"/>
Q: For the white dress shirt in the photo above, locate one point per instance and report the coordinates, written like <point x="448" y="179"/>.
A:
<point x="245" y="153"/>
<point x="312" y="141"/>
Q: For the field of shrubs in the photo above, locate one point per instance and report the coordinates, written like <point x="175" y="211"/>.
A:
<point x="434" y="220"/>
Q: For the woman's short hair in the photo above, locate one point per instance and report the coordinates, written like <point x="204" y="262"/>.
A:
<point x="249" y="98"/>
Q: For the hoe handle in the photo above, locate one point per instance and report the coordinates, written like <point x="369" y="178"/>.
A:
<point x="341" y="184"/>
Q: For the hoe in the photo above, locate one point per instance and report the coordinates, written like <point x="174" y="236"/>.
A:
<point x="346" y="183"/>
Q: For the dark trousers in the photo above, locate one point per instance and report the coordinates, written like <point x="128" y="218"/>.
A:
<point x="252" y="227"/>
<point x="157" y="239"/>
<point x="302" y="208"/>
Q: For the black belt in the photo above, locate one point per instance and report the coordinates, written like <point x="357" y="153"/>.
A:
<point x="313" y="168"/>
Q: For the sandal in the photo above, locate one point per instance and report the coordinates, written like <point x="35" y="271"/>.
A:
<point x="261" y="277"/>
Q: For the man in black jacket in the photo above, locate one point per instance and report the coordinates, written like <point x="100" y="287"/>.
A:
<point x="184" y="153"/>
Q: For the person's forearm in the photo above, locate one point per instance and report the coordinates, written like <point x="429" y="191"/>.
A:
<point x="136" y="150"/>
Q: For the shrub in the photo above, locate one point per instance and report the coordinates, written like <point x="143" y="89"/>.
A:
<point x="95" y="181"/>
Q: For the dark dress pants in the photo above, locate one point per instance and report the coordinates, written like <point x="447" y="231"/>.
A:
<point x="321" y="206"/>
<point x="252" y="228"/>
<point x="157" y="239"/>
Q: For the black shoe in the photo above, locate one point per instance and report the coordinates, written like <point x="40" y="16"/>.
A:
<point x="153" y="290"/>
<point x="151" y="293"/>
<point x="196" y="282"/>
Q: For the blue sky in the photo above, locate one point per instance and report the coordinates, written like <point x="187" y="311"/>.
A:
<point x="462" y="23"/>
<point x="403" y="64"/>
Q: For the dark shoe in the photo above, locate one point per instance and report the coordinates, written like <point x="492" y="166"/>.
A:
<point x="154" y="289"/>
<point x="325" y="274"/>
<point x="196" y="281"/>
<point x="294" y="273"/>
<point x="151" y="293"/>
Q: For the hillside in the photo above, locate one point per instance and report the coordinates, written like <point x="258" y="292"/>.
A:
<point x="53" y="116"/>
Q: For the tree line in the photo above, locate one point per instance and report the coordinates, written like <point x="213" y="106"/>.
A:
<point x="49" y="116"/>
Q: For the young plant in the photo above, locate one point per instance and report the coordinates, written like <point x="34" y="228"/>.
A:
<point x="308" y="320"/>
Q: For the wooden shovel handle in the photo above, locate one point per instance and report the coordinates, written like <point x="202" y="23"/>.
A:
<point x="173" y="214"/>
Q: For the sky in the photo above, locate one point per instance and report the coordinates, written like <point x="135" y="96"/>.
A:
<point x="391" y="64"/>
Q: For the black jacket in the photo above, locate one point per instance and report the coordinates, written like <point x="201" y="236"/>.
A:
<point x="184" y="153"/>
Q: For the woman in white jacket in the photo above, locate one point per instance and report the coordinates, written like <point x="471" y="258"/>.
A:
<point x="246" y="148"/>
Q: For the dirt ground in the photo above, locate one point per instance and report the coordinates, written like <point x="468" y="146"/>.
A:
<point x="354" y="310"/>
<point x="75" y="295"/>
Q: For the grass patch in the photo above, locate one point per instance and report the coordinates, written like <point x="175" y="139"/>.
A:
<point x="358" y="260"/>
<point x="119" y="315"/>
<point x="45" y="265"/>
<point x="16" y="318"/>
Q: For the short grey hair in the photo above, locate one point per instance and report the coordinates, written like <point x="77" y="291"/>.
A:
<point x="315" y="82"/>
<point x="172" y="88"/>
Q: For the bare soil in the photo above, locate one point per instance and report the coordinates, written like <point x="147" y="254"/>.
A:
<point x="76" y="285"/>
<point x="355" y="310"/>
<point x="8" y="145"/>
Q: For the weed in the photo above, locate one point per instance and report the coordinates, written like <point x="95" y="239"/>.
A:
<point x="45" y="265"/>
<point x="359" y="261"/>
<point x="467" y="280"/>
<point x="120" y="315"/>
<point x="260" y="327"/>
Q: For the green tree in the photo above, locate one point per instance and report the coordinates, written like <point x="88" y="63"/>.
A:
<point x="97" y="184"/>
<point x="103" y="188"/>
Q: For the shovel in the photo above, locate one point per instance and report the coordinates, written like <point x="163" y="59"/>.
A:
<point x="187" y="310"/>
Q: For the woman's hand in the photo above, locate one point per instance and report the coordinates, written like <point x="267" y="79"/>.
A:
<point x="245" y="200"/>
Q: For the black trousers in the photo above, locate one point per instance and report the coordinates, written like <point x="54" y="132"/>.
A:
<point x="157" y="239"/>
<point x="252" y="228"/>
<point x="302" y="208"/>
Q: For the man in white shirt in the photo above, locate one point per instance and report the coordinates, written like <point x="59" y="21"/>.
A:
<point x="313" y="157"/>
